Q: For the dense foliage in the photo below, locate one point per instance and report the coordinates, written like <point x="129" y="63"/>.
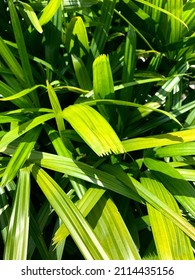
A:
<point x="97" y="139"/>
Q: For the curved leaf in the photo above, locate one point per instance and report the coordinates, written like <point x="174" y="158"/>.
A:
<point x="49" y="11"/>
<point x="94" y="129"/>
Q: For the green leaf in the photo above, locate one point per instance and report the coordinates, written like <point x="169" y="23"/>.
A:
<point x="32" y="16"/>
<point x="8" y="92"/>
<point x="11" y="61"/>
<point x="61" y="150"/>
<point x="135" y="186"/>
<point x="102" y="78"/>
<point x="83" y="171"/>
<point x="20" y="155"/>
<point x="188" y="15"/>
<point x="81" y="72"/>
<point x="5" y="212"/>
<point x="78" y="227"/>
<point x="21" y="129"/>
<point x="85" y="205"/>
<point x="56" y="108"/>
<point x="75" y="5"/>
<point x="152" y="106"/>
<point x="101" y="33"/>
<point x="170" y="241"/>
<point x="94" y="129"/>
<point x="112" y="231"/>
<point x="22" y="50"/>
<point x="183" y="149"/>
<point x="182" y="190"/>
<point x="170" y="14"/>
<point x="188" y="174"/>
<point x="164" y="208"/>
<point x="21" y="93"/>
<point x="49" y="11"/>
<point x="108" y="225"/>
<point x="58" y="116"/>
<point x="18" y="231"/>
<point x="127" y="76"/>
<point x="103" y="84"/>
<point x="160" y="140"/>
<point x="76" y="38"/>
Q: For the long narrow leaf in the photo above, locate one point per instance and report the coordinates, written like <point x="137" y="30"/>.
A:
<point x="112" y="231"/>
<point x="83" y="171"/>
<point x="93" y="128"/>
<point x="103" y="85"/>
<point x="159" y="140"/>
<point x="101" y="33"/>
<point x="18" y="33"/>
<point x="182" y="190"/>
<point x="21" y="129"/>
<point x="170" y="241"/>
<point x="20" y="156"/>
<point x="79" y="229"/>
<point x="17" y="236"/>
<point x="85" y="205"/>
<point x="49" y="11"/>
<point x="32" y="16"/>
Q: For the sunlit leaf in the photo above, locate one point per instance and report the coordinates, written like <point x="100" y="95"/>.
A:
<point x="32" y="16"/>
<point x="170" y="241"/>
<point x="49" y="11"/>
<point x="18" y="230"/>
<point x="77" y="40"/>
<point x="159" y="140"/>
<point x="78" y="227"/>
<point x="20" y="156"/>
<point x="93" y="128"/>
<point x="182" y="190"/>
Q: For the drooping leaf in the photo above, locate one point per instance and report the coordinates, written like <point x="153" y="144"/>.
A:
<point x="94" y="129"/>
<point x="32" y="16"/>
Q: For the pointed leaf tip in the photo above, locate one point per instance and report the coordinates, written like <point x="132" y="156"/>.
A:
<point x="94" y="129"/>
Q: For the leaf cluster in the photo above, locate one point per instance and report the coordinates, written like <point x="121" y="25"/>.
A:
<point x="97" y="129"/>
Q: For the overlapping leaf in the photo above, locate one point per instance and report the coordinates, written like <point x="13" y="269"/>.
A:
<point x="163" y="229"/>
<point x="94" y="129"/>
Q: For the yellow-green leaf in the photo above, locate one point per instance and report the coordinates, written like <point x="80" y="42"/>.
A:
<point x="171" y="242"/>
<point x="32" y="16"/>
<point x="76" y="37"/>
<point x="49" y="11"/>
<point x="94" y="129"/>
<point x="17" y="236"/>
<point x="78" y="227"/>
<point x="159" y="140"/>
